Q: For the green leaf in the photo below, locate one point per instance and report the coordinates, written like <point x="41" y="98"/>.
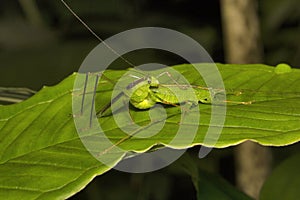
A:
<point x="284" y="181"/>
<point x="41" y="154"/>
<point x="42" y="157"/>
<point x="208" y="185"/>
<point x="272" y="119"/>
<point x="211" y="186"/>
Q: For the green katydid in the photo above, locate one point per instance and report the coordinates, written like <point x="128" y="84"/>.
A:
<point x="147" y="91"/>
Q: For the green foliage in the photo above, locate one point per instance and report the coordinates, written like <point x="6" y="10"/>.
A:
<point x="43" y="158"/>
<point x="284" y="181"/>
<point x="41" y="155"/>
<point x="280" y="32"/>
<point x="207" y="185"/>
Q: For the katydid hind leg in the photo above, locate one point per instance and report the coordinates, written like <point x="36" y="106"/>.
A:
<point x="84" y="93"/>
<point x="93" y="99"/>
<point x="171" y="77"/>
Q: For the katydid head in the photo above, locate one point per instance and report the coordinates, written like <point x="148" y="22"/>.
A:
<point x="206" y="100"/>
<point x="203" y="95"/>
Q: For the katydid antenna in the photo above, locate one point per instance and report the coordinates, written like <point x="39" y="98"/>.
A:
<point x="91" y="31"/>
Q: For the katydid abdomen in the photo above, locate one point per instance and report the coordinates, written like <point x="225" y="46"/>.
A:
<point x="175" y="94"/>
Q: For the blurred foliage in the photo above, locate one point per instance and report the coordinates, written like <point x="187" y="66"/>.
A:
<point x="33" y="55"/>
<point x="280" y="22"/>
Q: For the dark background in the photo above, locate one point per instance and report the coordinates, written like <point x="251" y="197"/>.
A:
<point x="42" y="50"/>
<point x="42" y="46"/>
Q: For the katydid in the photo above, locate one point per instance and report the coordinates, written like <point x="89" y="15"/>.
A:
<point x="147" y="91"/>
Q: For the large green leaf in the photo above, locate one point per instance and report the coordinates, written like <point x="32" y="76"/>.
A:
<point x="272" y="119"/>
<point x="42" y="156"/>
